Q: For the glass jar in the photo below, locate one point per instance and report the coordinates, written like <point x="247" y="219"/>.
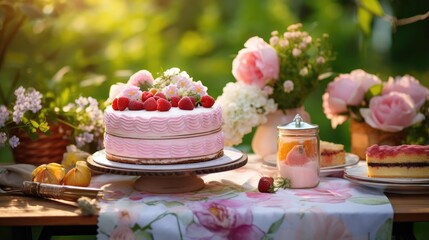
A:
<point x="298" y="155"/>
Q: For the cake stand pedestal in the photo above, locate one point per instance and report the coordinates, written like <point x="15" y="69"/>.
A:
<point x="175" y="178"/>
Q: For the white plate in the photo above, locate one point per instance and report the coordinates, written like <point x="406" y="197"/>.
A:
<point x="230" y="155"/>
<point x="351" y="159"/>
<point x="400" y="188"/>
<point x="359" y="173"/>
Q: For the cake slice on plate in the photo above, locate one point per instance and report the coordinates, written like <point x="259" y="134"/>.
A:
<point x="404" y="161"/>
<point x="331" y="154"/>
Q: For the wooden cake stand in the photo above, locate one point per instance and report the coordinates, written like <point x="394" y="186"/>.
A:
<point x="174" y="178"/>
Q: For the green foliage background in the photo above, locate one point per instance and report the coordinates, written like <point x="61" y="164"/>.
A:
<point x="84" y="46"/>
<point x="81" y="47"/>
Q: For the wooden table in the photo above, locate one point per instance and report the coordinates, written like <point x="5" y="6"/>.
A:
<point x="22" y="212"/>
<point x="29" y="211"/>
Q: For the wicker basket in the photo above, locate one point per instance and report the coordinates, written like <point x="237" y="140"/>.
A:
<point x="45" y="149"/>
<point x="363" y="136"/>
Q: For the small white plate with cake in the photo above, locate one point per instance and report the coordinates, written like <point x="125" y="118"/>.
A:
<point x="399" y="169"/>
<point x="333" y="158"/>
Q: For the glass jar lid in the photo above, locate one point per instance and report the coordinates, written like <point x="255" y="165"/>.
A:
<point x="298" y="124"/>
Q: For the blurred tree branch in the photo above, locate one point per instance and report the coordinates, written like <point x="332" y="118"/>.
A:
<point x="369" y="8"/>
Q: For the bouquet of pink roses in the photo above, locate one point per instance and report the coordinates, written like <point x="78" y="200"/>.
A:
<point x="390" y="106"/>
<point x="278" y="75"/>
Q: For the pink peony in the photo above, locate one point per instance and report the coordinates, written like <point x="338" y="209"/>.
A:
<point x="256" y="64"/>
<point x="392" y="112"/>
<point x="346" y="90"/>
<point x="408" y="85"/>
<point x="142" y="77"/>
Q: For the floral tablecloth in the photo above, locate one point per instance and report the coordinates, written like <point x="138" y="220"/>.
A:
<point x="230" y="207"/>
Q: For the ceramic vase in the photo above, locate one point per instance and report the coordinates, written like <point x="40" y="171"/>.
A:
<point x="264" y="142"/>
<point x="363" y="136"/>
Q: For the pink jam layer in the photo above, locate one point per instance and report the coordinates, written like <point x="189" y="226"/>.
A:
<point x="391" y="151"/>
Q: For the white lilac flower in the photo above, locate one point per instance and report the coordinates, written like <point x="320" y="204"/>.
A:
<point x="14" y="141"/>
<point x="4" y="115"/>
<point x="84" y="138"/>
<point x="288" y="86"/>
<point x="34" y="100"/>
<point x="170" y="91"/>
<point x="26" y="101"/>
<point x="303" y="72"/>
<point x="296" y="52"/>
<point x="199" y="88"/>
<point x="81" y="102"/>
<point x="3" y="138"/>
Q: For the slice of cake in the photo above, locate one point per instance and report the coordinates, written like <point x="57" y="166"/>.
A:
<point x="168" y="120"/>
<point x="404" y="161"/>
<point x="331" y="154"/>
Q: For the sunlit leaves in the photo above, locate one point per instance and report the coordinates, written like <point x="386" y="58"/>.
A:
<point x="367" y="9"/>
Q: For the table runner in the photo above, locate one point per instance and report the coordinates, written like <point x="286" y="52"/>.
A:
<point x="230" y="207"/>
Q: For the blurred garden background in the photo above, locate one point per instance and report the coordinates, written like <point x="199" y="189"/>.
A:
<point x="80" y="48"/>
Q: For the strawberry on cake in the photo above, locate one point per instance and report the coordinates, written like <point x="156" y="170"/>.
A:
<point x="405" y="161"/>
<point x="167" y="120"/>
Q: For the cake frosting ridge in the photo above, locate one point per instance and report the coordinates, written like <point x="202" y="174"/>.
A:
<point x="167" y="120"/>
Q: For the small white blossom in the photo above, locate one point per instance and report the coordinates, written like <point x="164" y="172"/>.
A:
<point x="274" y="40"/>
<point x="283" y="43"/>
<point x="4" y="115"/>
<point x="303" y="72"/>
<point x="268" y="90"/>
<point x="243" y="107"/>
<point x="14" y="141"/>
<point x="320" y="60"/>
<point x="26" y="100"/>
<point x="199" y="88"/>
<point x="288" y="86"/>
<point x="296" y="52"/>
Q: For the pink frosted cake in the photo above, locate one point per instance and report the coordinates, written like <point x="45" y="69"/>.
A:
<point x="168" y="120"/>
<point x="405" y="161"/>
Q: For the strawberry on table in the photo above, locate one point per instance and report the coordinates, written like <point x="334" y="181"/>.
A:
<point x="271" y="185"/>
<point x="266" y="185"/>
